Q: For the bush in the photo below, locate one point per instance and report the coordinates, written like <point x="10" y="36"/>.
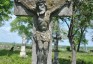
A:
<point x="68" y="48"/>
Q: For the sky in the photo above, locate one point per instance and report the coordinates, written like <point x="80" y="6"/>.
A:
<point x="6" y="35"/>
<point x="88" y="36"/>
<point x="11" y="37"/>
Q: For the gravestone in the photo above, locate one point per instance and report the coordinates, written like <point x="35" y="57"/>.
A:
<point x="23" y="47"/>
<point x="42" y="11"/>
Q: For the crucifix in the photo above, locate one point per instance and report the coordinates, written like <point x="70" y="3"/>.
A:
<point x="42" y="12"/>
<point x="56" y="38"/>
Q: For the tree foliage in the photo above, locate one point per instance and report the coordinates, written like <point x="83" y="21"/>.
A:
<point x="82" y="16"/>
<point x="79" y="22"/>
<point x="5" y="10"/>
<point x="22" y="25"/>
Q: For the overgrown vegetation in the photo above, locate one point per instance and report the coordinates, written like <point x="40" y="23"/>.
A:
<point x="8" y="57"/>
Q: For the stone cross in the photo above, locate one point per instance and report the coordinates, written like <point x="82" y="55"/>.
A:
<point x="42" y="11"/>
<point x="56" y="38"/>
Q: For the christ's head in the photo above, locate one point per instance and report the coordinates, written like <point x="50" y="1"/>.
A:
<point x="41" y="7"/>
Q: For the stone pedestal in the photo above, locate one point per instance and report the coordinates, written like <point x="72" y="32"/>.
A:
<point x="23" y="52"/>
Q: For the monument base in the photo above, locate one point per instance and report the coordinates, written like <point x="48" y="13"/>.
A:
<point x="23" y="52"/>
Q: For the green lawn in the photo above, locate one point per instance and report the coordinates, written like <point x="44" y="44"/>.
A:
<point x="7" y="57"/>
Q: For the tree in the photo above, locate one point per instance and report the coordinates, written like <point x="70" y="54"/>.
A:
<point x="81" y="37"/>
<point x="23" y="26"/>
<point x="71" y="33"/>
<point x="78" y="22"/>
<point x="5" y="10"/>
<point x="85" y="16"/>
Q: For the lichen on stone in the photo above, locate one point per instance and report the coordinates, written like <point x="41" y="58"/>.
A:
<point x="53" y="3"/>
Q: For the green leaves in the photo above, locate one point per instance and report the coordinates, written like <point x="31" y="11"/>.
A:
<point x="5" y="10"/>
<point x="22" y="25"/>
<point x="55" y="24"/>
<point x="83" y="14"/>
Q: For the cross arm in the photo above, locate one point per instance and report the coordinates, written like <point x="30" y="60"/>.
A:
<point x="24" y="7"/>
<point x="63" y="10"/>
<point x="28" y="4"/>
<point x="28" y="8"/>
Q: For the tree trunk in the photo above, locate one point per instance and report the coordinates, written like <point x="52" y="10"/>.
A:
<point x="73" y="48"/>
<point x="81" y="36"/>
<point x="78" y="48"/>
<point x="42" y="44"/>
<point x="23" y="51"/>
<point x="71" y="35"/>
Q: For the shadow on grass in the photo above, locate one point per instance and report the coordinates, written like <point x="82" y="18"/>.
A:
<point x="79" y="61"/>
<point x="9" y="53"/>
<point x="64" y="61"/>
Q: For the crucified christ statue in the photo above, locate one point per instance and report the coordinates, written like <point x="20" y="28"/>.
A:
<point x="42" y="11"/>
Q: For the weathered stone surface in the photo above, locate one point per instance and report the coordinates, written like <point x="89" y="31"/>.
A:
<point x="42" y="11"/>
<point x="54" y="3"/>
<point x="65" y="11"/>
<point x="42" y="45"/>
<point x="23" y="7"/>
<point x="19" y="9"/>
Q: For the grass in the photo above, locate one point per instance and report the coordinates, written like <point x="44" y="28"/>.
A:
<point x="7" y="57"/>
